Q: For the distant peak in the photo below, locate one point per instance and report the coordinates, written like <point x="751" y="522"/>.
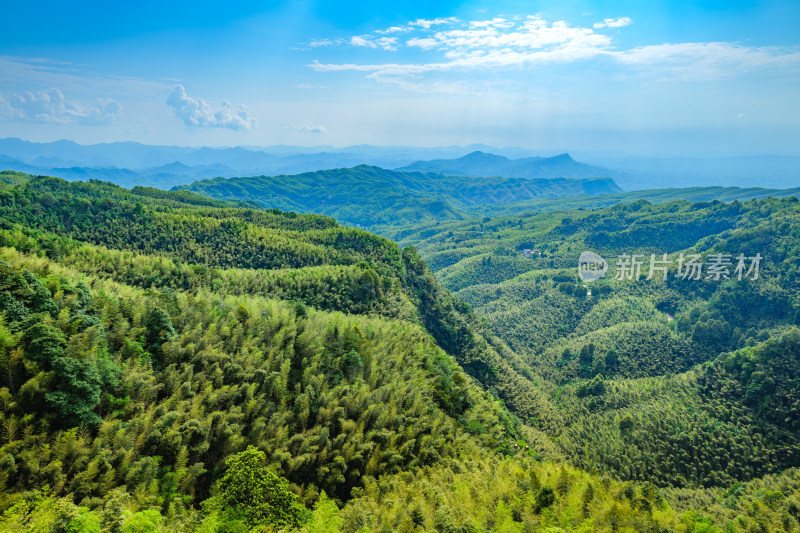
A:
<point x="562" y="157"/>
<point x="477" y="155"/>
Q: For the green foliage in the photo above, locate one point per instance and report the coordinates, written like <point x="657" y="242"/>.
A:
<point x="147" y="521"/>
<point x="348" y="194"/>
<point x="158" y="330"/>
<point x="252" y="489"/>
<point x="324" y="518"/>
<point x="593" y="387"/>
<point x="76" y="392"/>
<point x="43" y="343"/>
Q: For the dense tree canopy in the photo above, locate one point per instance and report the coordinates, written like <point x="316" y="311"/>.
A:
<point x="170" y="362"/>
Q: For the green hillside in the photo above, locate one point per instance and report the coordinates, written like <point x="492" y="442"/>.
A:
<point x="172" y="362"/>
<point x="668" y="382"/>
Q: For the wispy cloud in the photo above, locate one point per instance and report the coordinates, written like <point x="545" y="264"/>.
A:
<point x="533" y="34"/>
<point x="197" y="112"/>
<point x="523" y="42"/>
<point x="711" y="60"/>
<point x="427" y="23"/>
<point x="395" y="29"/>
<point x="497" y="22"/>
<point x="614" y="23"/>
<point x="325" y="42"/>
<point x="51" y="106"/>
<point x="386" y="43"/>
<point x="35" y="73"/>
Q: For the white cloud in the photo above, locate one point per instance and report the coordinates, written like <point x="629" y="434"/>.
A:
<point x="614" y="23"/>
<point x="391" y="43"/>
<point x="426" y="43"/>
<point x="197" y="112"/>
<point x="427" y="23"/>
<point x="386" y="43"/>
<point x="306" y="127"/>
<point x="313" y="128"/>
<point x="424" y="24"/>
<point x="534" y="33"/>
<point x="361" y="41"/>
<point x="526" y="42"/>
<point x="51" y="106"/>
<point x="489" y="44"/>
<point x="324" y="42"/>
<point x="497" y="22"/>
<point x="395" y="29"/>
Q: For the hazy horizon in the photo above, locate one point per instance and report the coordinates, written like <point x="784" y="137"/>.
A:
<point x="479" y="146"/>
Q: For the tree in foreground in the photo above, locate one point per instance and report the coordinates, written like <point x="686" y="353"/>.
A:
<point x="250" y="491"/>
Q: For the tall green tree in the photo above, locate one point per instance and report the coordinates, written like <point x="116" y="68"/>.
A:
<point x="249" y="487"/>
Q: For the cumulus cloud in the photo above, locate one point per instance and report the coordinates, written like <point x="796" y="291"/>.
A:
<point x="197" y="112"/>
<point x="614" y="23"/>
<point x="51" y="106"/>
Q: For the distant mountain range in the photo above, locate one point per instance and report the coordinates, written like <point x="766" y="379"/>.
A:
<point x="130" y="163"/>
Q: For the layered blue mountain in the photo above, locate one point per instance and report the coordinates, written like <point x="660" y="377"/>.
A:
<point x="129" y="163"/>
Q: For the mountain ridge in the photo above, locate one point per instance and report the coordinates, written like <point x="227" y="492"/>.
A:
<point x="483" y="164"/>
<point x="348" y="194"/>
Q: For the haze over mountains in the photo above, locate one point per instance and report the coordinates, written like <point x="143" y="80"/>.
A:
<point x="129" y="163"/>
<point x="482" y="164"/>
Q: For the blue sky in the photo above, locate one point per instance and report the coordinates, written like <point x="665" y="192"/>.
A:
<point x="634" y="77"/>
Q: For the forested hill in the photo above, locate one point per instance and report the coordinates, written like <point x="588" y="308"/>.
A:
<point x="175" y="363"/>
<point x="171" y="362"/>
<point x="369" y="196"/>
